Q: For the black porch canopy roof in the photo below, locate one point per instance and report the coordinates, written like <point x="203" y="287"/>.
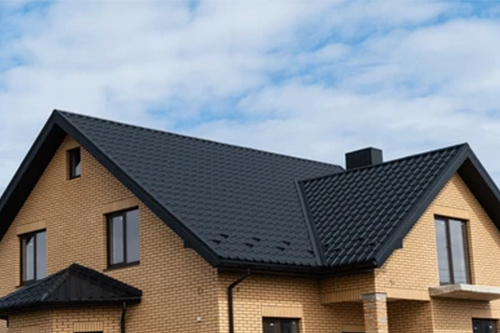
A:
<point x="75" y="285"/>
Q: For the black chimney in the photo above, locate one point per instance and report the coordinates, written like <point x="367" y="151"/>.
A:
<point x="363" y="158"/>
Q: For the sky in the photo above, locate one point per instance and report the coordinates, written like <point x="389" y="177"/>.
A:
<point x="313" y="79"/>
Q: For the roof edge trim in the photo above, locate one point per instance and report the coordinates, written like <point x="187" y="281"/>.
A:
<point x="29" y="171"/>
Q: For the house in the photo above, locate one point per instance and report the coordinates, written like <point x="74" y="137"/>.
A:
<point x="113" y="228"/>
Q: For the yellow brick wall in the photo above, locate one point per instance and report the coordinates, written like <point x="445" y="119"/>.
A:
<point x="346" y="288"/>
<point x="177" y="284"/>
<point x="254" y="297"/>
<point x="455" y="315"/>
<point x="410" y="317"/>
<point x="35" y="322"/>
<point x="95" y="319"/>
<point x="71" y="320"/>
<point x="415" y="266"/>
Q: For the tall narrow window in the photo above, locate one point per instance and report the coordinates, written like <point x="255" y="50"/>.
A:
<point x="123" y="238"/>
<point x="453" y="253"/>
<point x="75" y="163"/>
<point x="33" y="256"/>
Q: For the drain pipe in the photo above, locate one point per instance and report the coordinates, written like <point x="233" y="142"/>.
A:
<point x="230" y="299"/>
<point x="124" y="312"/>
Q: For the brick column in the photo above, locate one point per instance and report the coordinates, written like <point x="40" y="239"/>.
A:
<point x="375" y="312"/>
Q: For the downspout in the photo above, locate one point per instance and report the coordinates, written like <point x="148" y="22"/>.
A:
<point x="230" y="299"/>
<point x="124" y="312"/>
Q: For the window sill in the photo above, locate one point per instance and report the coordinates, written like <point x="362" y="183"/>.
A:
<point x="26" y="284"/>
<point x="122" y="266"/>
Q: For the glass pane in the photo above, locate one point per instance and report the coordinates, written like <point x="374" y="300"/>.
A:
<point x="270" y="326"/>
<point x="442" y="250"/>
<point x="29" y="258"/>
<point x="458" y="251"/>
<point x="289" y="326"/>
<point x="76" y="165"/>
<point x="133" y="236"/>
<point x="116" y="236"/>
<point x="41" y="255"/>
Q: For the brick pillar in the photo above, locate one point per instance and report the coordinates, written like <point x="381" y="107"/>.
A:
<point x="375" y="312"/>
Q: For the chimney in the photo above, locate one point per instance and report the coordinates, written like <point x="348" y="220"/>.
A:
<point x="363" y="158"/>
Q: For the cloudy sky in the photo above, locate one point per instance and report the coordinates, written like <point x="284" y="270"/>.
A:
<point x="309" y="78"/>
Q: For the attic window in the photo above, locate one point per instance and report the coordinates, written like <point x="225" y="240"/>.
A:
<point x="74" y="163"/>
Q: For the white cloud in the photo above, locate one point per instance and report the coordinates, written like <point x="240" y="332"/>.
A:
<point x="309" y="78"/>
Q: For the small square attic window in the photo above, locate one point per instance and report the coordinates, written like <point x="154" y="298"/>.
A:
<point x="75" y="163"/>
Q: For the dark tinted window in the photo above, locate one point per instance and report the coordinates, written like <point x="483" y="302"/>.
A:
<point x="451" y="241"/>
<point x="33" y="256"/>
<point x="123" y="238"/>
<point x="274" y="325"/>
<point x="75" y="163"/>
<point x="484" y="326"/>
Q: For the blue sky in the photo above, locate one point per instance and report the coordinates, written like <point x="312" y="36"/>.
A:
<point x="308" y="78"/>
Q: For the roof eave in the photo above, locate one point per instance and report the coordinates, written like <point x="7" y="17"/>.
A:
<point x="230" y="265"/>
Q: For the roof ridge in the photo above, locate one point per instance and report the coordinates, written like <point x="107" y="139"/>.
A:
<point x="188" y="137"/>
<point x="457" y="146"/>
<point x="63" y="275"/>
<point x="109" y="280"/>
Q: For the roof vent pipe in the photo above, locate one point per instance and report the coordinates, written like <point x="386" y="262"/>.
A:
<point x="363" y="158"/>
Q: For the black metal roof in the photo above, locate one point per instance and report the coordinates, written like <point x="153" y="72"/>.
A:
<point x="75" y="285"/>
<point x="356" y="212"/>
<point x="238" y="207"/>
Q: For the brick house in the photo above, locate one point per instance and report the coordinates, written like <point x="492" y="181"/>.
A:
<point x="113" y="228"/>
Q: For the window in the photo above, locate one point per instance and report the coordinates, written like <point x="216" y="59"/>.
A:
<point x="75" y="163"/>
<point x="273" y="325"/>
<point x="33" y="256"/>
<point x="484" y="326"/>
<point x="453" y="254"/>
<point x="123" y="238"/>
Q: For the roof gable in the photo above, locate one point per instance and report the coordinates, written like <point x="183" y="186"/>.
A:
<point x="227" y="202"/>
<point x="361" y="216"/>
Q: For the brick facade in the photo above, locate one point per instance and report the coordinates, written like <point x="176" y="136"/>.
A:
<point x="67" y="321"/>
<point x="182" y="293"/>
<point x="177" y="284"/>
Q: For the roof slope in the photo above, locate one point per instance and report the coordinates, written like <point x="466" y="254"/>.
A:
<point x="357" y="213"/>
<point x="73" y="285"/>
<point x="240" y="202"/>
<point x="240" y="207"/>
